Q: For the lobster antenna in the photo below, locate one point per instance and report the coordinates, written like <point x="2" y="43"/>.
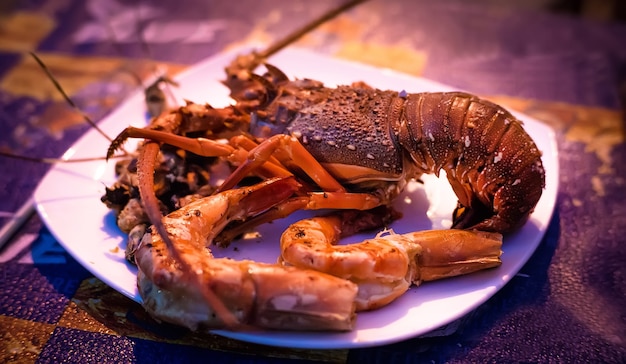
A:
<point x="52" y="160"/>
<point x="152" y="90"/>
<point x="119" y="51"/>
<point x="67" y="98"/>
<point x="299" y="33"/>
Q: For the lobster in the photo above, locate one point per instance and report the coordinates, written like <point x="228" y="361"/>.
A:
<point x="361" y="146"/>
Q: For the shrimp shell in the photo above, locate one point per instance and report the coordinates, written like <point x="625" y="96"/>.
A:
<point x="386" y="266"/>
<point x="256" y="294"/>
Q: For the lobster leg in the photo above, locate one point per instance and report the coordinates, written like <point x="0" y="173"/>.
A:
<point x="235" y="151"/>
<point x="289" y="151"/>
<point x="244" y="142"/>
<point x="200" y="146"/>
<point x="310" y="201"/>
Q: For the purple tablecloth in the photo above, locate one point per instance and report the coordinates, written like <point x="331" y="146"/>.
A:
<point x="566" y="305"/>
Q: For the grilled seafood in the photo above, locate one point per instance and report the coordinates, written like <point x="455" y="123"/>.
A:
<point x="386" y="266"/>
<point x="187" y="286"/>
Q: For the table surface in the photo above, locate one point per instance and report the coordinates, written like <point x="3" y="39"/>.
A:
<point x="568" y="302"/>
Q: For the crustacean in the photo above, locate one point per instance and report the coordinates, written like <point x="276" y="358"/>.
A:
<point x="189" y="287"/>
<point x="386" y="266"/>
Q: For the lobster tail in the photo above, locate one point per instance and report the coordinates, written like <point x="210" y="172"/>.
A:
<point x="492" y="164"/>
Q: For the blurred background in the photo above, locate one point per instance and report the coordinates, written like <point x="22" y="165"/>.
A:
<point x="593" y="9"/>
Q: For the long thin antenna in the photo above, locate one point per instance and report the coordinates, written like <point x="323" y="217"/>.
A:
<point x="53" y="160"/>
<point x="294" y="36"/>
<point x="67" y="98"/>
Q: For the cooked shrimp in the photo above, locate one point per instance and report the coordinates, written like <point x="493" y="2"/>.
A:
<point x="386" y="266"/>
<point x="192" y="288"/>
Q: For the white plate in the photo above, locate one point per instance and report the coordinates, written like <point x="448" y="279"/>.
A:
<point x="68" y="200"/>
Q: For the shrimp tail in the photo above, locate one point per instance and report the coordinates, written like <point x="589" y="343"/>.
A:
<point x="450" y="253"/>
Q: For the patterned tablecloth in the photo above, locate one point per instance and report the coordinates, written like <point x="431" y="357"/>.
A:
<point x="568" y="304"/>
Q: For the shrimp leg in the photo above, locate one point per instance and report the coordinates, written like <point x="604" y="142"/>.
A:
<point x="386" y="266"/>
